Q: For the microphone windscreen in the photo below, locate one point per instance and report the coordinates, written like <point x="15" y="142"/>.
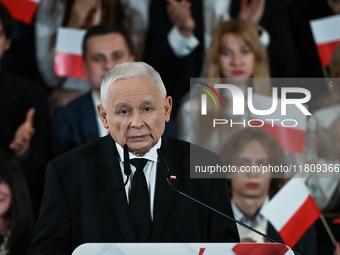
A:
<point x="163" y="165"/>
<point x="127" y="168"/>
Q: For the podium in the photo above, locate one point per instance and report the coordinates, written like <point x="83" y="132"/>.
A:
<point x="182" y="249"/>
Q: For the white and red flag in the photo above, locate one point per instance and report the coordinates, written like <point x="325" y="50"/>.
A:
<point x="22" y="10"/>
<point x="292" y="211"/>
<point x="68" y="60"/>
<point x="288" y="130"/>
<point x="326" y="33"/>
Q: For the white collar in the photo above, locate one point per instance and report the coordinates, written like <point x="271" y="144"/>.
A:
<point x="95" y="99"/>
<point x="151" y="155"/>
<point x="238" y="215"/>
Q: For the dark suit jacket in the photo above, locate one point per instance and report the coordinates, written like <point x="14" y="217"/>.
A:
<point x="78" y="180"/>
<point x="306" y="245"/>
<point x="74" y="125"/>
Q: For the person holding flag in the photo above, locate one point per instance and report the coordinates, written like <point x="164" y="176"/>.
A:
<point x="77" y="123"/>
<point x="252" y="192"/>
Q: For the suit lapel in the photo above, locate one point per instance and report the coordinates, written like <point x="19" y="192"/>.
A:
<point x="164" y="194"/>
<point x="88" y="121"/>
<point x="110" y="179"/>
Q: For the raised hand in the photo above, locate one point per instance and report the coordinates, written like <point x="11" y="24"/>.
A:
<point x="180" y="14"/>
<point x="94" y="16"/>
<point x="252" y="11"/>
<point x="80" y="12"/>
<point x="23" y="135"/>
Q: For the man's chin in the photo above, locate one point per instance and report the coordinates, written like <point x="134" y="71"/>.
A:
<point x="138" y="149"/>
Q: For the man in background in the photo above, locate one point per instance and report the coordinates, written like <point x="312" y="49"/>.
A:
<point x="104" y="46"/>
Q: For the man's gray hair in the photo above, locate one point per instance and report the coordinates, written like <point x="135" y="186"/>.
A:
<point x="130" y="70"/>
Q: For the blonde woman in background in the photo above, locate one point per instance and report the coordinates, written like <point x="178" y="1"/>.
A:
<point x="235" y="56"/>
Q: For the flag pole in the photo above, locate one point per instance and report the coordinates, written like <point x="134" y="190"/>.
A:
<point x="329" y="231"/>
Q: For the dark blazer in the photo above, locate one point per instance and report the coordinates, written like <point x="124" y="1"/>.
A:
<point x="74" y="125"/>
<point x="78" y="180"/>
<point x="307" y="244"/>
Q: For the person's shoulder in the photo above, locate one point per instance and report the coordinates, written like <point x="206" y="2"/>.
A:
<point x="76" y="105"/>
<point x="78" y="102"/>
<point x="185" y="148"/>
<point x="84" y="152"/>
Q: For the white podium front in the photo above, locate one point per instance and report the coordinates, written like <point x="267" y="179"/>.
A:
<point x="182" y="249"/>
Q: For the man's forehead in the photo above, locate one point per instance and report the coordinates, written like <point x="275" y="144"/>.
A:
<point x="112" y="41"/>
<point x="127" y="104"/>
<point x="134" y="84"/>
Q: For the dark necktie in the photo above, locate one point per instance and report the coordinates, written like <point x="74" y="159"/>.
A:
<point x="140" y="202"/>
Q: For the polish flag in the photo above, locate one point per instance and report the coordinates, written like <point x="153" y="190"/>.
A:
<point x="326" y="33"/>
<point x="336" y="221"/>
<point x="22" y="10"/>
<point x="288" y="130"/>
<point x="260" y="249"/>
<point x="68" y="58"/>
<point x="292" y="211"/>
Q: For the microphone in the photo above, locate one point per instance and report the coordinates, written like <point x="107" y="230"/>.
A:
<point x="166" y="173"/>
<point x="127" y="172"/>
<point x="127" y="168"/>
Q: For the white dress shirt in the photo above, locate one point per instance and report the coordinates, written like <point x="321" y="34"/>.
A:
<point x="214" y="13"/>
<point x="149" y="170"/>
<point x="259" y="223"/>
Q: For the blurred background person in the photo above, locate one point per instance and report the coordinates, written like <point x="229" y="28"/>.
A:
<point x="81" y="14"/>
<point x="16" y="218"/>
<point x="104" y="46"/>
<point x="23" y="118"/>
<point x="236" y="54"/>
<point x="179" y="37"/>
<point x="322" y="144"/>
<point x="252" y="191"/>
<point x="301" y="12"/>
<point x="334" y="70"/>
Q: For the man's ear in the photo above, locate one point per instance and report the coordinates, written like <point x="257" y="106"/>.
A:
<point x="103" y="115"/>
<point x="167" y="108"/>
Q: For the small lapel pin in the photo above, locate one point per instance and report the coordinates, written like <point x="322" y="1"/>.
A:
<point x="172" y="177"/>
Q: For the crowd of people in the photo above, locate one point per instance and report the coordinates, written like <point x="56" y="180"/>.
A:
<point x="45" y="117"/>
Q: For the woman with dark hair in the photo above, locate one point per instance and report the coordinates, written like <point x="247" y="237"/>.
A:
<point x="235" y="56"/>
<point x="251" y="191"/>
<point x="16" y="219"/>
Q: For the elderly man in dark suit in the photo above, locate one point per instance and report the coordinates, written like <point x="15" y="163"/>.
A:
<point x="104" y="46"/>
<point x="134" y="109"/>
